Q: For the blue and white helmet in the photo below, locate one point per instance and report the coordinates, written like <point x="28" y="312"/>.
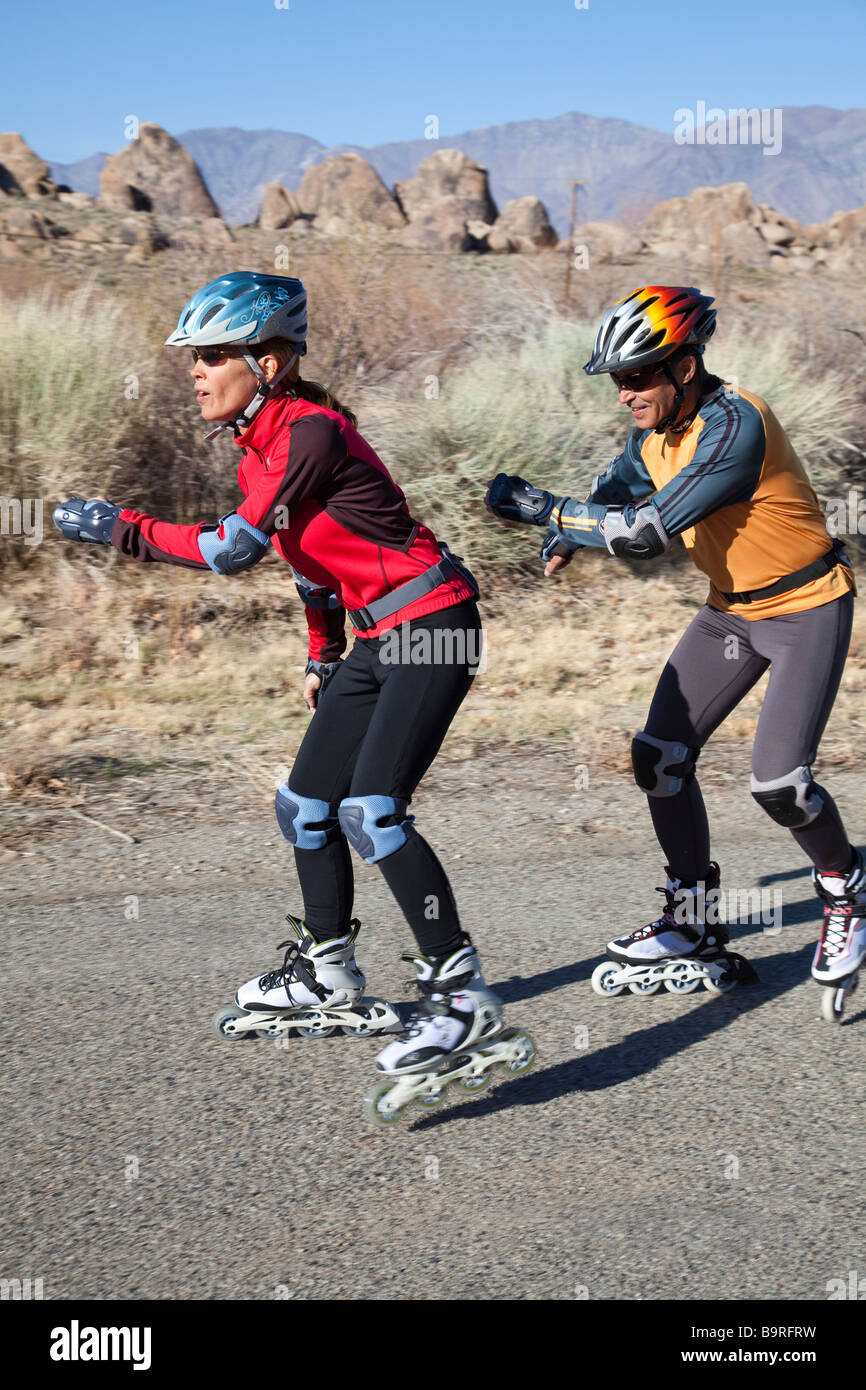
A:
<point x="245" y="307"/>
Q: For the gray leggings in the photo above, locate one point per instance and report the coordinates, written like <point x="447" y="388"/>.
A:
<point x="716" y="662"/>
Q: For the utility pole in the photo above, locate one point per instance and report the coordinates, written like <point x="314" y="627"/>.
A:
<point x="572" y="223"/>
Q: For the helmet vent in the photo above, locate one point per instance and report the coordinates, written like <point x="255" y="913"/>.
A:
<point x="211" y="314"/>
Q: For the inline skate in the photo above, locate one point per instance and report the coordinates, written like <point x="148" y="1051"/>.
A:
<point x="841" y="946"/>
<point x="456" y="1035"/>
<point x="682" y="949"/>
<point x="317" y="989"/>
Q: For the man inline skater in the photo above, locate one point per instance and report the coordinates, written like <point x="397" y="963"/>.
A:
<point x="713" y="465"/>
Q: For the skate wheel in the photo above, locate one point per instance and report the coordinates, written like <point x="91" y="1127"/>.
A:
<point x="647" y="986"/>
<point x="474" y="1083"/>
<point x="324" y="1031"/>
<point x="527" y="1052"/>
<point x="222" y="1021"/>
<point x="720" y="986"/>
<point x="681" y="980"/>
<point x="376" y="1106"/>
<point x="430" y="1100"/>
<point x="364" y="1031"/>
<point x="833" y="1003"/>
<point x="271" y="1033"/>
<point x="601" y="979"/>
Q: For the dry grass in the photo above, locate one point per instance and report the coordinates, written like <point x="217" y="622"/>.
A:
<point x="129" y="660"/>
<point x="128" y="669"/>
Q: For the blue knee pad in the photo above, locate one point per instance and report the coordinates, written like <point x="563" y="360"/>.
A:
<point x="296" y="814"/>
<point x="360" y="820"/>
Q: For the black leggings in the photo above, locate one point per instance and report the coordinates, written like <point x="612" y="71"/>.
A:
<point x="715" y="664"/>
<point x="376" y="730"/>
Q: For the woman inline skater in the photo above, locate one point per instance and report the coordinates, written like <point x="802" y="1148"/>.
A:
<point x="721" y="472"/>
<point x="315" y="490"/>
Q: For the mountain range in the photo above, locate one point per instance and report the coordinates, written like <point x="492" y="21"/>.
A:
<point x="819" y="168"/>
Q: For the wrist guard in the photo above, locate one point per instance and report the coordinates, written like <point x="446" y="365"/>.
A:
<point x="80" y="520"/>
<point x="513" y="499"/>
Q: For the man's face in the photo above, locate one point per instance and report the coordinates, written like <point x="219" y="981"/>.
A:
<point x="648" y="393"/>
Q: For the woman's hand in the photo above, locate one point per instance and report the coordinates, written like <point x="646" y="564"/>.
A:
<point x="312" y="686"/>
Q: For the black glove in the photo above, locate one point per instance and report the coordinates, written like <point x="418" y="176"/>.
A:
<point x="325" y="670"/>
<point x="93" y="521"/>
<point x="514" y="499"/>
<point x="555" y="545"/>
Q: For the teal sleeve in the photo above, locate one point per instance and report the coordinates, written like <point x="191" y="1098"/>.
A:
<point x="626" y="477"/>
<point x="725" y="469"/>
<point x="625" y="480"/>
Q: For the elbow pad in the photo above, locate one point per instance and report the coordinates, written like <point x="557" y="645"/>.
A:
<point x="642" y="538"/>
<point x="238" y="548"/>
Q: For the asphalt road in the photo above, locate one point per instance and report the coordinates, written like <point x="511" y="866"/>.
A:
<point x="662" y="1147"/>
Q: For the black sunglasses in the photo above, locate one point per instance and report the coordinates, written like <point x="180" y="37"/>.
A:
<point x="637" y="380"/>
<point x="212" y="356"/>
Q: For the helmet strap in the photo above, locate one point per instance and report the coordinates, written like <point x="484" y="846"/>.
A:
<point x="670" y="421"/>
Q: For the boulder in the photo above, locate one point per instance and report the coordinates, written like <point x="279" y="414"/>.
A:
<point x="776" y="233"/>
<point x="450" y="175"/>
<point x="845" y="231"/>
<point x="443" y="227"/>
<point x="200" y="234"/>
<point x="155" y="174"/>
<point x="606" y="242"/>
<point x="696" y="217"/>
<point x="344" y="194"/>
<point x="78" y="200"/>
<point x="522" y="225"/>
<point x="279" y="208"/>
<point x="22" y="172"/>
<point x="742" y="243"/>
<point x="25" y="223"/>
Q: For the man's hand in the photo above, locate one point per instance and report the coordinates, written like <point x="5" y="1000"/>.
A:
<point x="556" y="553"/>
<point x="93" y="521"/>
<point x="513" y="499"/>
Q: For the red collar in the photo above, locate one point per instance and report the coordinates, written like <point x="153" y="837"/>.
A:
<point x="281" y="410"/>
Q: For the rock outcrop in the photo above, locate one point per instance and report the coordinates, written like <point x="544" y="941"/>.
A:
<point x="605" y="242"/>
<point x="448" y="174"/>
<point x="155" y="174"/>
<point x="841" y="241"/>
<point x="344" y="195"/>
<point x="22" y="172"/>
<point x="522" y="225"/>
<point x="279" y="208"/>
<point x="726" y="224"/>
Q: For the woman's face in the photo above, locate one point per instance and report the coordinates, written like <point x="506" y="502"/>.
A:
<point x="225" y="389"/>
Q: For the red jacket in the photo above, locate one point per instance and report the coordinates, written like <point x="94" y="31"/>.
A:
<point x="333" y="511"/>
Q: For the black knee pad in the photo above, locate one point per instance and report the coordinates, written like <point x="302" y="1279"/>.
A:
<point x="793" y="800"/>
<point x="661" y="766"/>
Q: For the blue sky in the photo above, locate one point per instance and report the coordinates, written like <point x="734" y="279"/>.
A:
<point x="367" y="71"/>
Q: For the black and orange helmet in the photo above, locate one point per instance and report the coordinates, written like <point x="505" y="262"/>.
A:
<point x="650" y="325"/>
